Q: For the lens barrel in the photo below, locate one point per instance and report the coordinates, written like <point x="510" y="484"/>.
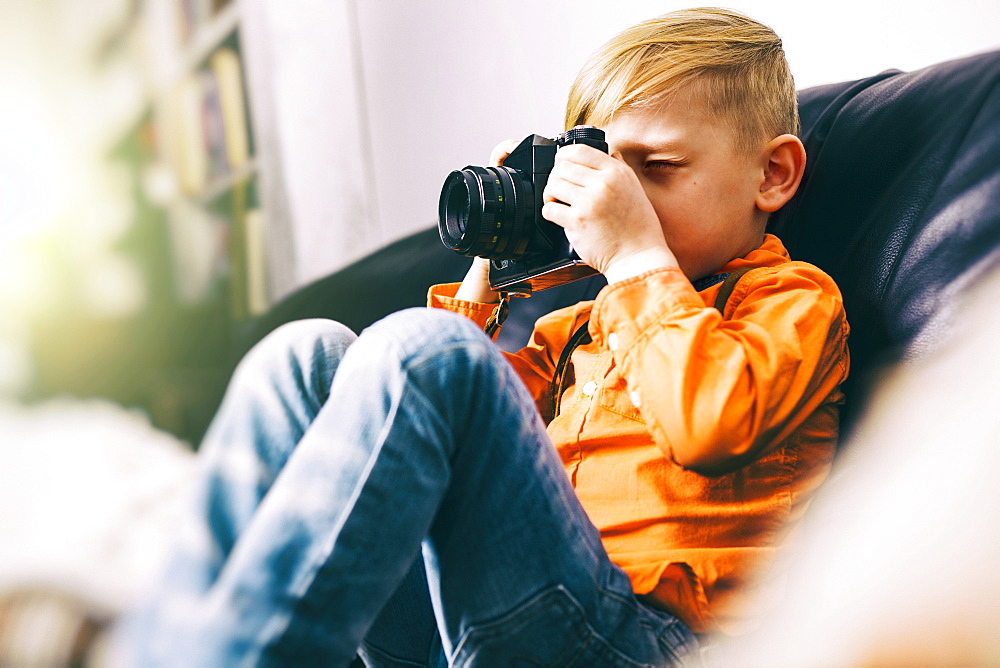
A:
<point x="483" y="212"/>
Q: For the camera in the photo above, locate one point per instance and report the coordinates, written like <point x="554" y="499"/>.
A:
<point x="496" y="213"/>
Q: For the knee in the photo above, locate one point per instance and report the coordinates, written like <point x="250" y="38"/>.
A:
<point x="422" y="331"/>
<point x="437" y="352"/>
<point x="305" y="346"/>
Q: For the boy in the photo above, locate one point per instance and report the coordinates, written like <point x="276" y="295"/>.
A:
<point x="683" y="440"/>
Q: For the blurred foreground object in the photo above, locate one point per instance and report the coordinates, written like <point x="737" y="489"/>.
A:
<point x="897" y="562"/>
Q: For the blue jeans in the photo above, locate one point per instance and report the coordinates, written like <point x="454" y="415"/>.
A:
<point x="396" y="493"/>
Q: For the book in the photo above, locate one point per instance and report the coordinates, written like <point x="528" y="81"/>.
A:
<point x="228" y="81"/>
<point x="256" y="262"/>
<point x="214" y="151"/>
<point x="192" y="158"/>
<point x="213" y="128"/>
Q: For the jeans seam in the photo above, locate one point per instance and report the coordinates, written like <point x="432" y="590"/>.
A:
<point x="280" y="626"/>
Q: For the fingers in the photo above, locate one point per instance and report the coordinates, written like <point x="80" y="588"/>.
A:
<point x="563" y="185"/>
<point x="582" y="154"/>
<point x="581" y="177"/>
<point x="574" y="171"/>
<point x="557" y="212"/>
<point x="567" y="188"/>
<point x="501" y="151"/>
<point x="585" y="185"/>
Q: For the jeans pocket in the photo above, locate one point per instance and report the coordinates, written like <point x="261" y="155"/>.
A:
<point x="550" y="629"/>
<point x="675" y="639"/>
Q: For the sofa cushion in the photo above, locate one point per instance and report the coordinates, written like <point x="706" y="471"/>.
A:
<point x="901" y="200"/>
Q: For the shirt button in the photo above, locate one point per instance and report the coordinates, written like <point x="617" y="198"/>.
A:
<point x="613" y="341"/>
<point x="636" y="399"/>
<point x="589" y="389"/>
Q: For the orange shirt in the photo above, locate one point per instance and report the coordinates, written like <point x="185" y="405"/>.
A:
<point x="693" y="440"/>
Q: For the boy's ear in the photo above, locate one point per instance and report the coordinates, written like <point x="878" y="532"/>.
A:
<point x="784" y="160"/>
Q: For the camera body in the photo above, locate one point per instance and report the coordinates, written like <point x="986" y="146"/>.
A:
<point x="496" y="213"/>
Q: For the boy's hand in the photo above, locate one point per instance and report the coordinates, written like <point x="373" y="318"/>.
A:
<point x="608" y="219"/>
<point x="476" y="284"/>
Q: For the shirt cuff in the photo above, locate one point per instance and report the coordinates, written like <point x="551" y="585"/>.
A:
<point x="443" y="296"/>
<point x="624" y="309"/>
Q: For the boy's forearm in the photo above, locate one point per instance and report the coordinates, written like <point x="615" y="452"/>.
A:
<point x="715" y="392"/>
<point x="476" y="284"/>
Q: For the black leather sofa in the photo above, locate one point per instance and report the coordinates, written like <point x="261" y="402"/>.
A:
<point x="900" y="204"/>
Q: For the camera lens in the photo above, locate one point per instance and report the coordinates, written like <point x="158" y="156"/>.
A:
<point x="482" y="212"/>
<point x="455" y="206"/>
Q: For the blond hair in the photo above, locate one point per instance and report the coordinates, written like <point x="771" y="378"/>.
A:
<point x="739" y="62"/>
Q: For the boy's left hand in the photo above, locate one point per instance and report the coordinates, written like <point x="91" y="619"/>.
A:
<point x="600" y="203"/>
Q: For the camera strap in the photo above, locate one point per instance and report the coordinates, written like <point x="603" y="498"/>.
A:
<point x="498" y="316"/>
<point x="580" y="337"/>
<point x="729" y="282"/>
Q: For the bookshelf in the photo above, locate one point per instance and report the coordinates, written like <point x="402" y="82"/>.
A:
<point x="187" y="142"/>
<point x="242" y="130"/>
<point x="199" y="166"/>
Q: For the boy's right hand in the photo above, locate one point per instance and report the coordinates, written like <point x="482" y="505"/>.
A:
<point x="599" y="201"/>
<point x="476" y="284"/>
